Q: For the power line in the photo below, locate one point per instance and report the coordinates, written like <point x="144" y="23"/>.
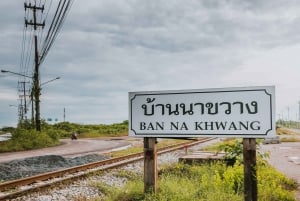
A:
<point x="55" y="27"/>
<point x="41" y="37"/>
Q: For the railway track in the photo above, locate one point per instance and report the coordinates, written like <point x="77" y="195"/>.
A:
<point x="16" y="188"/>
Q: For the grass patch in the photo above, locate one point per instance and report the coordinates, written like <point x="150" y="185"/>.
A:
<point x="140" y="148"/>
<point x="288" y="135"/>
<point x="204" y="183"/>
<point x="285" y="131"/>
<point x="91" y="131"/>
<point x="131" y="150"/>
<point x="289" y="139"/>
<point x="29" y="139"/>
<point x="129" y="175"/>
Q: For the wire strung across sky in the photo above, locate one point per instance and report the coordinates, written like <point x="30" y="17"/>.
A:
<point x="60" y="15"/>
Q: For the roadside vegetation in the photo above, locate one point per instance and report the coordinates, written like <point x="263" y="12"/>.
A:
<point x="205" y="182"/>
<point x="288" y="134"/>
<point x="285" y="131"/>
<point x="208" y="182"/>
<point x="91" y="131"/>
<point x="25" y="137"/>
<point x="288" y="124"/>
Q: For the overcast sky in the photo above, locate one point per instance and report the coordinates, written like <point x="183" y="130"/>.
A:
<point x="108" y="48"/>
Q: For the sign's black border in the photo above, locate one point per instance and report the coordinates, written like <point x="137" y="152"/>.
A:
<point x="200" y="92"/>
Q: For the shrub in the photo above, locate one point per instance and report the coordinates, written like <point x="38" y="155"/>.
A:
<point x="29" y="139"/>
<point x="233" y="151"/>
<point x="54" y="134"/>
<point x="275" y="185"/>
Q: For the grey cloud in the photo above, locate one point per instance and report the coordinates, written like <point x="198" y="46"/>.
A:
<point x="107" y="48"/>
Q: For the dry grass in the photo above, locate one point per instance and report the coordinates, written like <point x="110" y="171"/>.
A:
<point x="285" y="131"/>
<point x="288" y="135"/>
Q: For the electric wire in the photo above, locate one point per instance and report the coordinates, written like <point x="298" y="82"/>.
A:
<point x="23" y="59"/>
<point x="50" y="32"/>
<point x="22" y="50"/>
<point x="44" y="20"/>
<point x="40" y="30"/>
<point x="55" y="27"/>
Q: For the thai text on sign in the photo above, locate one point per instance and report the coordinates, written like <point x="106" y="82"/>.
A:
<point x="241" y="112"/>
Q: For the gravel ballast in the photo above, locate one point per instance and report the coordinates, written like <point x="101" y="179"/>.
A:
<point x="37" y="165"/>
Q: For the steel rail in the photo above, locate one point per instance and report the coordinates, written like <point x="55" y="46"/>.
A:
<point x="105" y="164"/>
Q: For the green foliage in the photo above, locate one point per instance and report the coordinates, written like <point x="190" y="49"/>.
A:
<point x="197" y="183"/>
<point x="276" y="187"/>
<point x="89" y="131"/>
<point x="29" y="139"/>
<point x="233" y="151"/>
<point x="209" y="182"/>
<point x="25" y="124"/>
<point x="133" y="191"/>
<point x="24" y="137"/>
<point x="129" y="175"/>
<point x="54" y="134"/>
<point x="7" y="129"/>
<point x="66" y="126"/>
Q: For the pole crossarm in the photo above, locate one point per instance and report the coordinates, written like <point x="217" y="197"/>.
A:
<point x="34" y="24"/>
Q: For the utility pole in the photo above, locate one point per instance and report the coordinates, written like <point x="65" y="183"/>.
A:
<point x="32" y="109"/>
<point x="36" y="85"/>
<point x="298" y="124"/>
<point x="299" y="112"/>
<point x="23" y="95"/>
<point x="288" y="118"/>
<point x="21" y="112"/>
<point x="64" y="114"/>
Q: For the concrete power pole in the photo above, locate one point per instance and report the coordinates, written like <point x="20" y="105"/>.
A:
<point x="23" y="95"/>
<point x="299" y="112"/>
<point x="64" y="114"/>
<point x="36" y="80"/>
<point x="299" y="116"/>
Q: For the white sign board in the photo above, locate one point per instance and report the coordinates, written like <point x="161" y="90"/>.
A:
<point x="247" y="112"/>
